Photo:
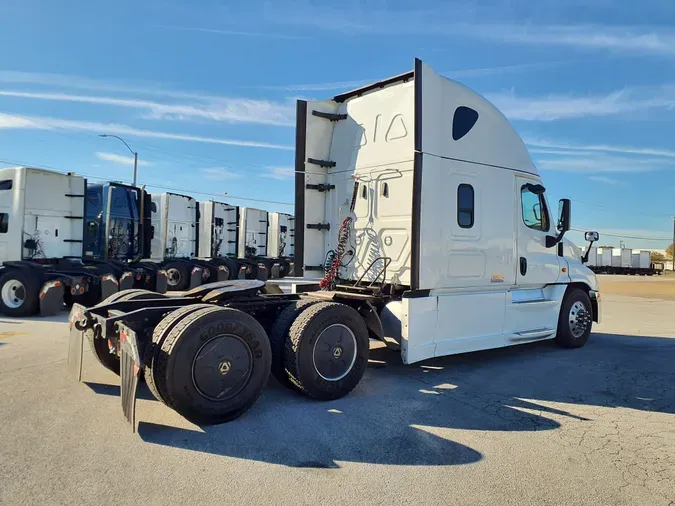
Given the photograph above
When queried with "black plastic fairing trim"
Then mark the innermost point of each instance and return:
(300, 152)
(416, 294)
(418, 104)
(417, 182)
(380, 84)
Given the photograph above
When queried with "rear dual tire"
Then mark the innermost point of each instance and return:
(325, 350)
(210, 364)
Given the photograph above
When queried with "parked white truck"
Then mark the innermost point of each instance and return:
(42, 226)
(424, 205)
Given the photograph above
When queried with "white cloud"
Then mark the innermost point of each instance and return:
(606, 180)
(572, 148)
(621, 39)
(121, 159)
(219, 31)
(281, 173)
(219, 173)
(233, 110)
(604, 164)
(557, 107)
(9, 121)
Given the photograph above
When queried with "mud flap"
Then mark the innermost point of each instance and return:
(161, 282)
(109, 286)
(130, 371)
(195, 277)
(276, 271)
(242, 272)
(51, 298)
(75, 342)
(263, 273)
(223, 273)
(126, 281)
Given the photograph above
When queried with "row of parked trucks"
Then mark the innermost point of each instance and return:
(623, 261)
(65, 240)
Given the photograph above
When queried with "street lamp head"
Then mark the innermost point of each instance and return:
(102, 135)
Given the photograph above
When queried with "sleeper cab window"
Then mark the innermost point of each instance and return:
(465, 205)
(6, 184)
(463, 121)
(535, 214)
(4, 223)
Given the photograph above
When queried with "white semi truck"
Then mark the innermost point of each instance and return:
(44, 227)
(419, 206)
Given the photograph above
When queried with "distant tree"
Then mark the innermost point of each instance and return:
(657, 256)
(669, 251)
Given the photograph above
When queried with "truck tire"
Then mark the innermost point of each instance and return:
(575, 320)
(100, 346)
(152, 350)
(327, 350)
(19, 293)
(279, 335)
(232, 267)
(178, 276)
(214, 365)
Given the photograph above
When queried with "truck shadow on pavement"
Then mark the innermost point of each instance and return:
(410, 415)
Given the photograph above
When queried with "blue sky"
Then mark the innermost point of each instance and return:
(206, 92)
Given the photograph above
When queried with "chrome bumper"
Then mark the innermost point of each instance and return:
(596, 302)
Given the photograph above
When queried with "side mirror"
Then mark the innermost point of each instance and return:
(564, 215)
(592, 236)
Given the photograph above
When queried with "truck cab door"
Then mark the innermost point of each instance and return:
(536, 265)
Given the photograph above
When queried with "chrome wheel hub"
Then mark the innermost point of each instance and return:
(579, 319)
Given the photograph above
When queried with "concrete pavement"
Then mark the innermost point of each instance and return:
(533, 424)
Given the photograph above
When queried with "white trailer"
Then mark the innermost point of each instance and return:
(592, 257)
(641, 259)
(605, 257)
(427, 206)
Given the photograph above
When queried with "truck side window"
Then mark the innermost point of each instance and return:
(535, 214)
(465, 205)
(6, 184)
(4, 223)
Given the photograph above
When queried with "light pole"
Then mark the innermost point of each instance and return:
(131, 150)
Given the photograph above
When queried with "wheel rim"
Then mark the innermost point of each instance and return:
(579, 319)
(13, 294)
(222, 367)
(173, 276)
(334, 352)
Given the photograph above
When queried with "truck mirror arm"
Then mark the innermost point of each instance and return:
(584, 258)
